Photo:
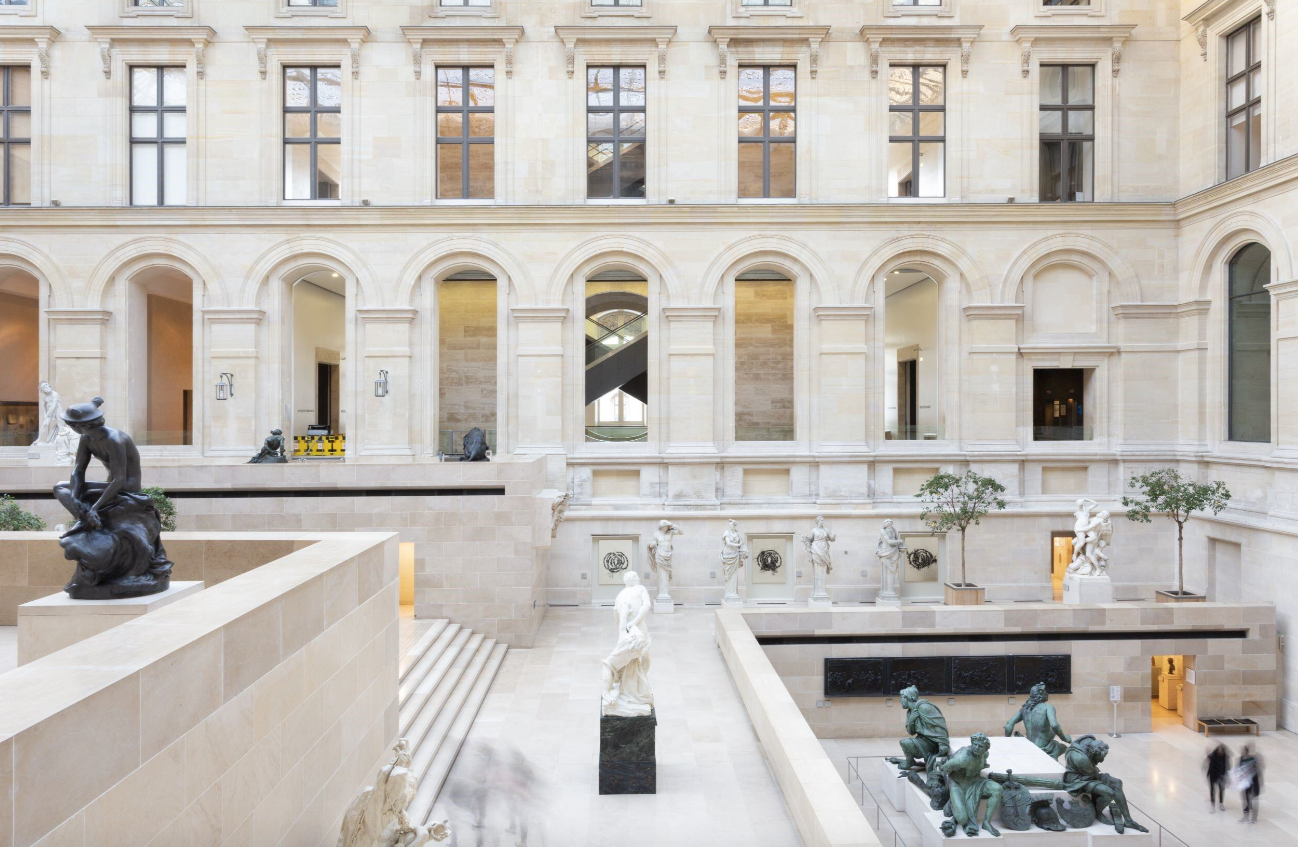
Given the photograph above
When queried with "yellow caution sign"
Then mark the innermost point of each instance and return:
(319, 446)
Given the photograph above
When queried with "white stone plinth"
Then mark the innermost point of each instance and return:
(663, 606)
(818, 601)
(887, 600)
(57, 621)
(732, 602)
(1088, 589)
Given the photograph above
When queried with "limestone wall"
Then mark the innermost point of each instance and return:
(466, 355)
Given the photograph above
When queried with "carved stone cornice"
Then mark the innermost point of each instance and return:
(724, 36)
(914, 35)
(107, 36)
(503, 38)
(233, 315)
(79, 316)
(843, 311)
(1112, 35)
(40, 38)
(691, 313)
(993, 311)
(387, 314)
(539, 314)
(270, 36)
(571, 36)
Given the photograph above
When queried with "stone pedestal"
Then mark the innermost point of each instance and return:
(889, 599)
(663, 606)
(628, 755)
(817, 601)
(732, 602)
(1088, 589)
(45, 455)
(57, 621)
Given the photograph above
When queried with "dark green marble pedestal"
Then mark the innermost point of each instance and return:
(627, 755)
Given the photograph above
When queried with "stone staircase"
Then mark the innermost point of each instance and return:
(445, 677)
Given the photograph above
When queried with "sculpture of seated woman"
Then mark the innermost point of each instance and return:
(272, 451)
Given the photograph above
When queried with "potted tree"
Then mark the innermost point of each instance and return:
(1165, 491)
(956, 502)
(14, 519)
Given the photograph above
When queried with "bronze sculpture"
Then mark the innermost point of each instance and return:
(927, 728)
(1083, 778)
(475, 446)
(272, 450)
(1040, 723)
(969, 788)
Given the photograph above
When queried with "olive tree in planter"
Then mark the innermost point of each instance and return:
(1165, 491)
(14, 519)
(957, 502)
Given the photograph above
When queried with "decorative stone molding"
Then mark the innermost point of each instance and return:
(109, 36)
(994, 311)
(691, 313)
(129, 9)
(36, 40)
(275, 36)
(843, 312)
(728, 36)
(491, 40)
(387, 314)
(1114, 36)
(920, 35)
(234, 315)
(603, 35)
(1202, 36)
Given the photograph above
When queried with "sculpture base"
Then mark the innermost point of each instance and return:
(887, 600)
(663, 606)
(732, 602)
(1088, 589)
(144, 585)
(817, 601)
(628, 755)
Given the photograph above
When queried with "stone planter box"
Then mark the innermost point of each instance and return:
(1173, 597)
(964, 594)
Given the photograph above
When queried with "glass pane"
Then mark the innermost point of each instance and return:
(1237, 93)
(1255, 137)
(901, 86)
(901, 181)
(1051, 122)
(329, 167)
(297, 125)
(450, 124)
(482, 125)
(297, 87)
(1051, 85)
(144, 87)
(599, 124)
(631, 87)
(174, 177)
(20, 87)
(1081, 123)
(932, 170)
(751, 171)
(1250, 345)
(173, 86)
(782, 124)
(329, 87)
(144, 125)
(449, 91)
(631, 124)
(297, 172)
(1081, 86)
(901, 123)
(1051, 170)
(1081, 158)
(932, 85)
(932, 124)
(20, 125)
(599, 170)
(1255, 84)
(599, 86)
(783, 169)
(20, 174)
(750, 124)
(1250, 271)
(1237, 52)
(783, 83)
(632, 409)
(144, 174)
(173, 124)
(482, 87)
(482, 171)
(631, 167)
(1254, 32)
(606, 410)
(450, 169)
(328, 125)
(1236, 145)
(750, 86)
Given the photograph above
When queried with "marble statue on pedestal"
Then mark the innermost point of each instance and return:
(890, 550)
(817, 544)
(1083, 779)
(929, 738)
(54, 431)
(558, 511)
(1040, 723)
(272, 451)
(969, 788)
(624, 675)
(377, 817)
(116, 539)
(733, 554)
(1094, 533)
(660, 562)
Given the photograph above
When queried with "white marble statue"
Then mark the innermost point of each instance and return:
(625, 673)
(1093, 534)
(890, 550)
(54, 431)
(733, 554)
(817, 544)
(660, 558)
(558, 511)
(377, 817)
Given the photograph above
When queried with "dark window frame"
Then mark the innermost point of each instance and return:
(915, 108)
(1252, 98)
(464, 139)
(766, 109)
(314, 140)
(616, 109)
(1064, 137)
(1231, 297)
(6, 97)
(160, 139)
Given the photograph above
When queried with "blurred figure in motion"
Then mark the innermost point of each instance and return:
(518, 791)
(498, 791)
(467, 788)
(1217, 765)
(1247, 779)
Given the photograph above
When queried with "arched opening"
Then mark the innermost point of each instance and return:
(160, 357)
(20, 354)
(617, 356)
(910, 360)
(318, 308)
(764, 356)
(1249, 340)
(466, 358)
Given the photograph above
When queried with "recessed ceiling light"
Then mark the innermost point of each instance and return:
(335, 276)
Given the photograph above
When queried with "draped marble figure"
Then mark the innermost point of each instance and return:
(660, 556)
(890, 550)
(733, 554)
(625, 673)
(817, 544)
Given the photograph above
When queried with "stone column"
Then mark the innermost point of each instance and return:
(1284, 367)
(79, 341)
(840, 376)
(383, 425)
(691, 379)
(537, 414)
(989, 397)
(232, 425)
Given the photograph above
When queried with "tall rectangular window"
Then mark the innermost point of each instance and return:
(767, 132)
(15, 136)
(917, 131)
(466, 133)
(1243, 100)
(1067, 129)
(158, 132)
(313, 100)
(615, 132)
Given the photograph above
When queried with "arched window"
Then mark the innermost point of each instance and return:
(617, 356)
(466, 358)
(1249, 376)
(20, 352)
(910, 368)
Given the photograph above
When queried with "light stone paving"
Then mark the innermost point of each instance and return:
(530, 762)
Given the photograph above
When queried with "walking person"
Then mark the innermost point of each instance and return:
(1218, 765)
(1247, 778)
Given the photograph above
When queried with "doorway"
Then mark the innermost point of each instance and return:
(1061, 556)
(1169, 700)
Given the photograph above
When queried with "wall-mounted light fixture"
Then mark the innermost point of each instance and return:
(381, 384)
(225, 386)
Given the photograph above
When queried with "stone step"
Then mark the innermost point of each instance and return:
(432, 780)
(416, 722)
(435, 660)
(420, 647)
(439, 733)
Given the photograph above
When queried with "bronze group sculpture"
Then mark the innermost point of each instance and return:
(1083, 778)
(927, 728)
(969, 788)
(475, 446)
(272, 451)
(116, 539)
(1040, 723)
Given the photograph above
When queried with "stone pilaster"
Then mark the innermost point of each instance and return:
(78, 357)
(990, 398)
(839, 376)
(691, 378)
(538, 412)
(232, 425)
(386, 345)
(1284, 367)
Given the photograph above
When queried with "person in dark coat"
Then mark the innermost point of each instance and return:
(1218, 764)
(1250, 782)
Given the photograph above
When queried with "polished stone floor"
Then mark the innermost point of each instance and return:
(528, 769)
